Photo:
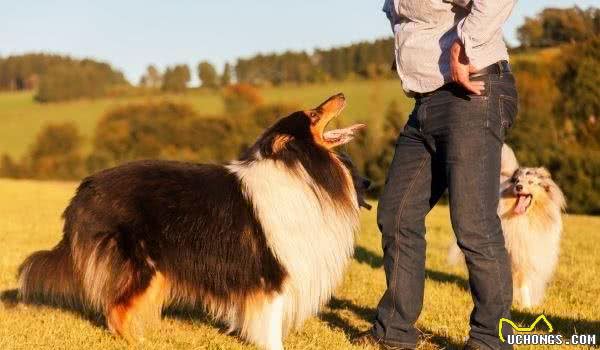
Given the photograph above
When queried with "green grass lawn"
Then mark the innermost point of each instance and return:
(21, 117)
(30, 220)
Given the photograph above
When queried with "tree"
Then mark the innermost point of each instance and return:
(57, 153)
(208, 75)
(77, 79)
(240, 98)
(9, 167)
(138, 131)
(152, 78)
(24, 72)
(531, 33)
(226, 77)
(176, 78)
(373, 149)
(579, 79)
(161, 130)
(554, 26)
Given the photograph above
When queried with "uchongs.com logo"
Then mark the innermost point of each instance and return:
(528, 335)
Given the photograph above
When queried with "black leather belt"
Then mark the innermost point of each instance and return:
(496, 68)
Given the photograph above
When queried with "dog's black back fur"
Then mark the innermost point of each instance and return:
(173, 213)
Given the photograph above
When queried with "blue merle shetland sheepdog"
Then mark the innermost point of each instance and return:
(260, 243)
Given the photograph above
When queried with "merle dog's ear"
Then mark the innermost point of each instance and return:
(543, 173)
(509, 163)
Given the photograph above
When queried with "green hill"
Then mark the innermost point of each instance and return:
(21, 117)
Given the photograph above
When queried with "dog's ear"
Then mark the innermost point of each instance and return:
(280, 142)
(554, 192)
(509, 163)
(543, 173)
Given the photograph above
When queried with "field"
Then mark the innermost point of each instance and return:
(22, 117)
(30, 220)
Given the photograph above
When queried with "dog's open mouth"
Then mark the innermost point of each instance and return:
(328, 111)
(523, 203)
(338, 137)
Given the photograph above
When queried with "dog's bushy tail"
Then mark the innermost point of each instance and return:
(48, 276)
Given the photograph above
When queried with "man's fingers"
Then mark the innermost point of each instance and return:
(462, 78)
(475, 87)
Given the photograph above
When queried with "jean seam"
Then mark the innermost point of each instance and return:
(397, 226)
(482, 181)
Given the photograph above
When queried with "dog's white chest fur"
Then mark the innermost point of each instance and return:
(311, 237)
(533, 245)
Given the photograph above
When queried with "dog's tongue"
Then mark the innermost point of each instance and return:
(522, 204)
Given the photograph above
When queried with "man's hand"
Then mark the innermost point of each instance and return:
(460, 69)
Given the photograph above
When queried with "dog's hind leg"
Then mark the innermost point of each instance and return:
(127, 317)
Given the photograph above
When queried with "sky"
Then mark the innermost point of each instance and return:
(130, 34)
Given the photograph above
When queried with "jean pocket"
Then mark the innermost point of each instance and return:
(508, 110)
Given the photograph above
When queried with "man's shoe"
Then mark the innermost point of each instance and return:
(368, 339)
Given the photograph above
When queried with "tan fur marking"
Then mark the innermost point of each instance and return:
(280, 142)
(145, 306)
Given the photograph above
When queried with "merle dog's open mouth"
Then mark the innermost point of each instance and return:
(523, 203)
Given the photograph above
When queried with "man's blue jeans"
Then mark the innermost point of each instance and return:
(452, 141)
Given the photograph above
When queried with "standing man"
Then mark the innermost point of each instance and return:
(451, 57)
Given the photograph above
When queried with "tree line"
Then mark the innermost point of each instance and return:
(366, 60)
(58, 78)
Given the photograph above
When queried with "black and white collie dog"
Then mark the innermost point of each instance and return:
(260, 243)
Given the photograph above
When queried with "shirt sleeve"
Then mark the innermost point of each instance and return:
(482, 25)
(390, 12)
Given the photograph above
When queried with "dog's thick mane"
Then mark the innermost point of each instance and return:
(287, 143)
(309, 222)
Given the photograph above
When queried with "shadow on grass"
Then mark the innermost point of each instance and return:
(564, 325)
(334, 320)
(374, 260)
(10, 299)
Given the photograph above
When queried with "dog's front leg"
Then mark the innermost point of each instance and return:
(525, 295)
(275, 324)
